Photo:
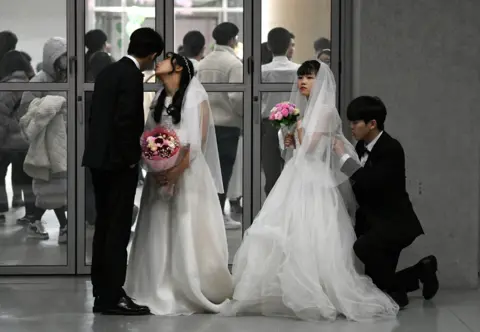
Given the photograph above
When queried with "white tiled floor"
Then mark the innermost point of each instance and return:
(17, 249)
(64, 304)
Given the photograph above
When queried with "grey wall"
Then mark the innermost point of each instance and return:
(422, 58)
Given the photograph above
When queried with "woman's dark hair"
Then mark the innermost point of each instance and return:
(14, 61)
(366, 109)
(266, 55)
(175, 108)
(309, 67)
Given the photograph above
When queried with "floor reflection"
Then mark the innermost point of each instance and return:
(23, 308)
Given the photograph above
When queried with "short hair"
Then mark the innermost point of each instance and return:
(95, 40)
(14, 61)
(144, 42)
(193, 43)
(279, 41)
(321, 44)
(309, 67)
(367, 108)
(224, 33)
(292, 36)
(26, 56)
(8, 42)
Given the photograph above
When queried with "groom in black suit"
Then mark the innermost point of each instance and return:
(385, 220)
(112, 153)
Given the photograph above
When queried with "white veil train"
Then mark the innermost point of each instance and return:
(297, 258)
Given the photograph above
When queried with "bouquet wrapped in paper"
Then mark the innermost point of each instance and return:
(161, 150)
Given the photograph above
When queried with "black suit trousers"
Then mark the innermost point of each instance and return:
(379, 249)
(114, 199)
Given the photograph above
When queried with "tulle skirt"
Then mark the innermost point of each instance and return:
(297, 258)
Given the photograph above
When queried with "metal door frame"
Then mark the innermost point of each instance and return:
(69, 88)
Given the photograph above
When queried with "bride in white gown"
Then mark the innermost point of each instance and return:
(297, 258)
(178, 263)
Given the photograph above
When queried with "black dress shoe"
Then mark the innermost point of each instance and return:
(428, 276)
(400, 298)
(97, 306)
(125, 306)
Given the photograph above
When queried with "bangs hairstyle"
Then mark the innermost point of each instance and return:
(186, 75)
(310, 67)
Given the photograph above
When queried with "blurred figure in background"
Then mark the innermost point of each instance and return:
(8, 42)
(194, 47)
(47, 139)
(96, 57)
(291, 48)
(223, 66)
(280, 70)
(322, 47)
(14, 68)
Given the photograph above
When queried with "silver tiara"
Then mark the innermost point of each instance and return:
(188, 67)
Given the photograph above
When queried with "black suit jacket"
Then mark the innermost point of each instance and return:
(116, 119)
(380, 189)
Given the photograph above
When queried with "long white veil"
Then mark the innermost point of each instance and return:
(320, 126)
(198, 119)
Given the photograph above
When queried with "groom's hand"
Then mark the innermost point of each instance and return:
(339, 147)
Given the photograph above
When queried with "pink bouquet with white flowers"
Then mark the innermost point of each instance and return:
(284, 115)
(161, 150)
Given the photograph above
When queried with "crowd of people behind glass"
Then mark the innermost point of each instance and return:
(33, 132)
(33, 126)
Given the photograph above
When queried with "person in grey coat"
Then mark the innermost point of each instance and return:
(14, 68)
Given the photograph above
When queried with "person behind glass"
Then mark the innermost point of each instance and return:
(320, 45)
(223, 66)
(112, 154)
(194, 47)
(291, 48)
(96, 58)
(14, 68)
(280, 70)
(266, 55)
(8, 42)
(385, 220)
(46, 159)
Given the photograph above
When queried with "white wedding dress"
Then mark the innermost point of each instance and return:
(297, 259)
(178, 263)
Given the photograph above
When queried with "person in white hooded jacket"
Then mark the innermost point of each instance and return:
(50, 190)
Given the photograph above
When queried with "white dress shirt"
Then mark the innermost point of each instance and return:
(134, 60)
(364, 158)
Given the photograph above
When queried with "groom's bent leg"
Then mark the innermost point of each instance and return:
(380, 258)
(121, 196)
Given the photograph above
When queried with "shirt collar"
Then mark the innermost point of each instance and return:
(370, 145)
(280, 58)
(134, 61)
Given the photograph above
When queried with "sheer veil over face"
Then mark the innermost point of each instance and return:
(321, 125)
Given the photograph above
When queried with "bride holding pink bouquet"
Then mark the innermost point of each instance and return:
(178, 263)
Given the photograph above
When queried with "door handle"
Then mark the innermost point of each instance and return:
(80, 110)
(257, 116)
(72, 65)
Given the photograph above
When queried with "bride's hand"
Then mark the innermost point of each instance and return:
(289, 141)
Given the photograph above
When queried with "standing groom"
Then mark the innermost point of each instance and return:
(385, 220)
(112, 154)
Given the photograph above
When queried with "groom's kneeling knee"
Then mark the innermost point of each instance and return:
(362, 248)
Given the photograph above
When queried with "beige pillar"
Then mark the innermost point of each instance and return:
(308, 20)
